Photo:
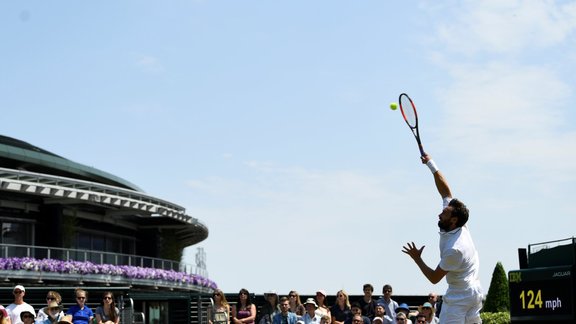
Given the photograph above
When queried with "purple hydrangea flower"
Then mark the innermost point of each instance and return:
(89, 268)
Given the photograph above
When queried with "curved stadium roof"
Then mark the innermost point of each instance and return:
(29, 169)
(17, 154)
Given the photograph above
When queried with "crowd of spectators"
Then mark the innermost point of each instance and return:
(20, 312)
(277, 309)
(290, 310)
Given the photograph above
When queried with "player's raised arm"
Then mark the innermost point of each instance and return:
(439, 180)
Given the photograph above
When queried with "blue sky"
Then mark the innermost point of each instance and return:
(269, 122)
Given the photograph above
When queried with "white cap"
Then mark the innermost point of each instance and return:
(19, 287)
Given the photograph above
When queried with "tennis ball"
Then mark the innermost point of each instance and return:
(393, 106)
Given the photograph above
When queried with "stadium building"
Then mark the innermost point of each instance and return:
(66, 225)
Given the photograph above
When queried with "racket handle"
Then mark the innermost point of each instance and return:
(422, 153)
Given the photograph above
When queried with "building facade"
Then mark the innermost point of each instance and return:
(67, 225)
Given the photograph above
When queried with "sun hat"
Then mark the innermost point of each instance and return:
(24, 312)
(311, 301)
(54, 304)
(425, 305)
(66, 320)
(403, 306)
(377, 319)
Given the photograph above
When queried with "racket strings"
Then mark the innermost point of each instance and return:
(408, 111)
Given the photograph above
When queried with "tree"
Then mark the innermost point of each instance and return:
(498, 299)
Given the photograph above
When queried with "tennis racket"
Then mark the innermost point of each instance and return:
(410, 115)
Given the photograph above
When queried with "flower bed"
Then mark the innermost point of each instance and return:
(89, 268)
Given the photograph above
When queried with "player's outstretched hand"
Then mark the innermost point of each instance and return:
(413, 251)
(425, 158)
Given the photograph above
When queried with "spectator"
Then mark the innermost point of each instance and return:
(367, 303)
(428, 311)
(81, 313)
(404, 308)
(244, 312)
(311, 317)
(285, 316)
(377, 320)
(341, 310)
(4, 317)
(325, 319)
(53, 313)
(220, 312)
(355, 309)
(380, 311)
(269, 309)
(67, 319)
(51, 296)
(19, 305)
(27, 317)
(356, 319)
(107, 312)
(420, 319)
(389, 304)
(401, 318)
(323, 309)
(436, 302)
(296, 304)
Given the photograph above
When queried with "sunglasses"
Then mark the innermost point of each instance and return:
(50, 298)
(18, 292)
(107, 298)
(421, 321)
(81, 298)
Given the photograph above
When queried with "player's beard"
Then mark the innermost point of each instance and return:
(444, 226)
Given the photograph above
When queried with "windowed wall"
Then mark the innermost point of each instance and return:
(94, 241)
(17, 233)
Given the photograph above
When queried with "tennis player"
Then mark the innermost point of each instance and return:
(459, 261)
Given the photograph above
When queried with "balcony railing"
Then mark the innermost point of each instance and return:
(97, 257)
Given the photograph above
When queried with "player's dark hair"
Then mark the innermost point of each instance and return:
(368, 286)
(460, 211)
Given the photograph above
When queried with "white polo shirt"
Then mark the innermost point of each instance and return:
(459, 257)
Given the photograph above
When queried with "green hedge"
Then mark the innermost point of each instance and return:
(495, 318)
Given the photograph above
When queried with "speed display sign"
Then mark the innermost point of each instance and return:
(542, 294)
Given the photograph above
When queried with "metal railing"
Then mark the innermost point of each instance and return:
(96, 257)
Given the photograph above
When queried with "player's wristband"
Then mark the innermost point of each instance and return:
(432, 166)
